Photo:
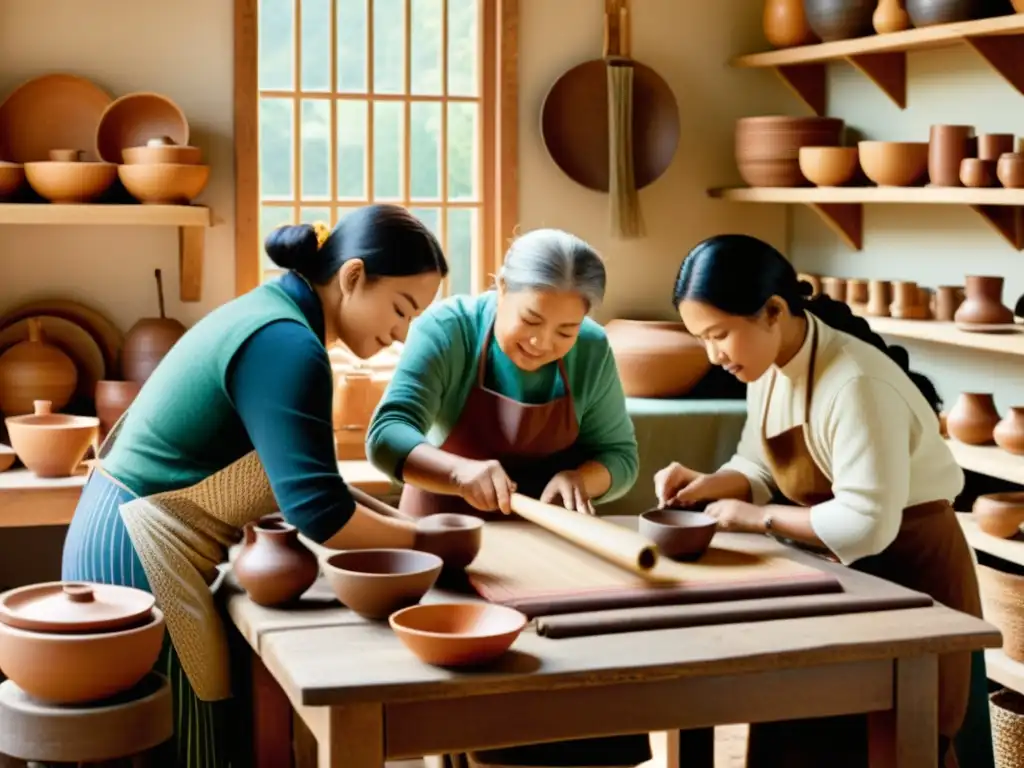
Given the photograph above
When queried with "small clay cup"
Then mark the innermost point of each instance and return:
(680, 534)
(857, 294)
(978, 173)
(947, 301)
(878, 298)
(375, 583)
(458, 634)
(947, 148)
(1000, 514)
(1010, 170)
(973, 418)
(992, 146)
(1009, 433)
(906, 301)
(456, 539)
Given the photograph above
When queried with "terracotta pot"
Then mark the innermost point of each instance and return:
(149, 340)
(906, 301)
(840, 19)
(375, 583)
(889, 16)
(112, 400)
(274, 567)
(992, 146)
(1009, 433)
(1010, 170)
(785, 24)
(947, 301)
(894, 163)
(767, 148)
(35, 370)
(978, 173)
(456, 539)
(834, 288)
(88, 643)
(52, 444)
(925, 13)
(947, 148)
(829, 166)
(680, 534)
(973, 418)
(857, 295)
(655, 358)
(983, 304)
(458, 634)
(879, 292)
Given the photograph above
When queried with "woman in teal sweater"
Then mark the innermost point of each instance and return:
(514, 390)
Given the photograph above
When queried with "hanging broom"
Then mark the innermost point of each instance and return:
(626, 219)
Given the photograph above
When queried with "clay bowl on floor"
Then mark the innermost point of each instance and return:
(458, 634)
(894, 163)
(456, 539)
(1000, 514)
(375, 583)
(51, 444)
(829, 166)
(164, 183)
(12, 177)
(680, 534)
(7, 457)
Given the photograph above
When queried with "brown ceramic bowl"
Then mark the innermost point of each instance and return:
(12, 176)
(458, 634)
(134, 119)
(1000, 514)
(164, 183)
(456, 539)
(51, 444)
(80, 668)
(70, 181)
(829, 166)
(7, 457)
(377, 582)
(681, 534)
(978, 173)
(161, 150)
(1010, 170)
(894, 163)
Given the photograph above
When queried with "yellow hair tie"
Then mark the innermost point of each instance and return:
(322, 233)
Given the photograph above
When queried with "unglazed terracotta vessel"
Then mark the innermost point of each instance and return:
(375, 583)
(906, 301)
(879, 292)
(948, 145)
(894, 163)
(274, 567)
(680, 534)
(1000, 514)
(973, 418)
(947, 301)
(983, 304)
(149, 340)
(458, 634)
(35, 370)
(112, 400)
(857, 295)
(1010, 170)
(52, 444)
(76, 643)
(655, 358)
(890, 16)
(992, 146)
(67, 179)
(978, 173)
(1009, 433)
(456, 539)
(785, 24)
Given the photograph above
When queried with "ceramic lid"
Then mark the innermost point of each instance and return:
(66, 606)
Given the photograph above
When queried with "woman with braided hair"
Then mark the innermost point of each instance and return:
(841, 430)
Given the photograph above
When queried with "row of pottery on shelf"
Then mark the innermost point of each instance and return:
(359, 386)
(789, 23)
(71, 141)
(275, 569)
(974, 420)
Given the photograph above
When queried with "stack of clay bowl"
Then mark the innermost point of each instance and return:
(146, 135)
(68, 178)
(768, 148)
(78, 643)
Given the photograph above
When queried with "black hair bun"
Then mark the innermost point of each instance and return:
(805, 288)
(293, 246)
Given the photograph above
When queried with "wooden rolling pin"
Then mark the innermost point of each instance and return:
(627, 549)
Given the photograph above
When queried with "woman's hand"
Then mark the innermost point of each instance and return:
(569, 488)
(678, 486)
(484, 485)
(737, 516)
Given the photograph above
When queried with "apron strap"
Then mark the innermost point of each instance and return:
(481, 363)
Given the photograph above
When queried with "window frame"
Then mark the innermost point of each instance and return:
(500, 149)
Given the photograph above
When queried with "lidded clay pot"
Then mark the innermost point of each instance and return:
(973, 418)
(274, 567)
(52, 444)
(77, 642)
(456, 539)
(35, 370)
(112, 400)
(655, 358)
(1009, 433)
(1000, 514)
(785, 24)
(149, 340)
(983, 304)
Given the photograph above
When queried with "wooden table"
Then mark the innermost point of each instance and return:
(366, 699)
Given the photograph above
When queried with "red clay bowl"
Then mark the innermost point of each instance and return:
(458, 634)
(377, 582)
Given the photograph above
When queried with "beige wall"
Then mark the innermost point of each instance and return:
(934, 245)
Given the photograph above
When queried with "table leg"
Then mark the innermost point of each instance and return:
(354, 737)
(694, 749)
(271, 720)
(907, 736)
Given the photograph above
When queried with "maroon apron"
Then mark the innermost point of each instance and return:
(929, 554)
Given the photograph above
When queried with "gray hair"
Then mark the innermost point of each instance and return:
(553, 260)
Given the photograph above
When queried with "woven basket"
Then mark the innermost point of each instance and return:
(1002, 601)
(1007, 710)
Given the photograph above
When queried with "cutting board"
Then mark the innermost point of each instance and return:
(539, 573)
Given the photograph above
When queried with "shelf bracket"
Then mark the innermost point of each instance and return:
(845, 219)
(191, 247)
(1005, 54)
(887, 70)
(1007, 220)
(807, 81)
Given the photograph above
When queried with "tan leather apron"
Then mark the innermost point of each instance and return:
(181, 537)
(929, 554)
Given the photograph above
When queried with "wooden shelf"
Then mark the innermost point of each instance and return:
(1011, 550)
(842, 208)
(936, 332)
(883, 58)
(988, 460)
(1004, 670)
(191, 221)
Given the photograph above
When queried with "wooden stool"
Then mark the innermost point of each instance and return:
(125, 726)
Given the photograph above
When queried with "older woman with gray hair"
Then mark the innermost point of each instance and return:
(514, 390)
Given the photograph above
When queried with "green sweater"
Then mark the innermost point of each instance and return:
(438, 368)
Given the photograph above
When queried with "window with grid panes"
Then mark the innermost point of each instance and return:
(364, 101)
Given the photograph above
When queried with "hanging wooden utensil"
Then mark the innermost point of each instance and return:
(626, 220)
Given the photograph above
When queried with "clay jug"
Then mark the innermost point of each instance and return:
(1000, 514)
(655, 358)
(973, 418)
(983, 304)
(149, 340)
(274, 567)
(889, 16)
(35, 370)
(785, 24)
(1009, 433)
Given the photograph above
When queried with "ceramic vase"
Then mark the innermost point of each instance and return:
(973, 418)
(1009, 433)
(983, 304)
(274, 567)
(889, 16)
(785, 24)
